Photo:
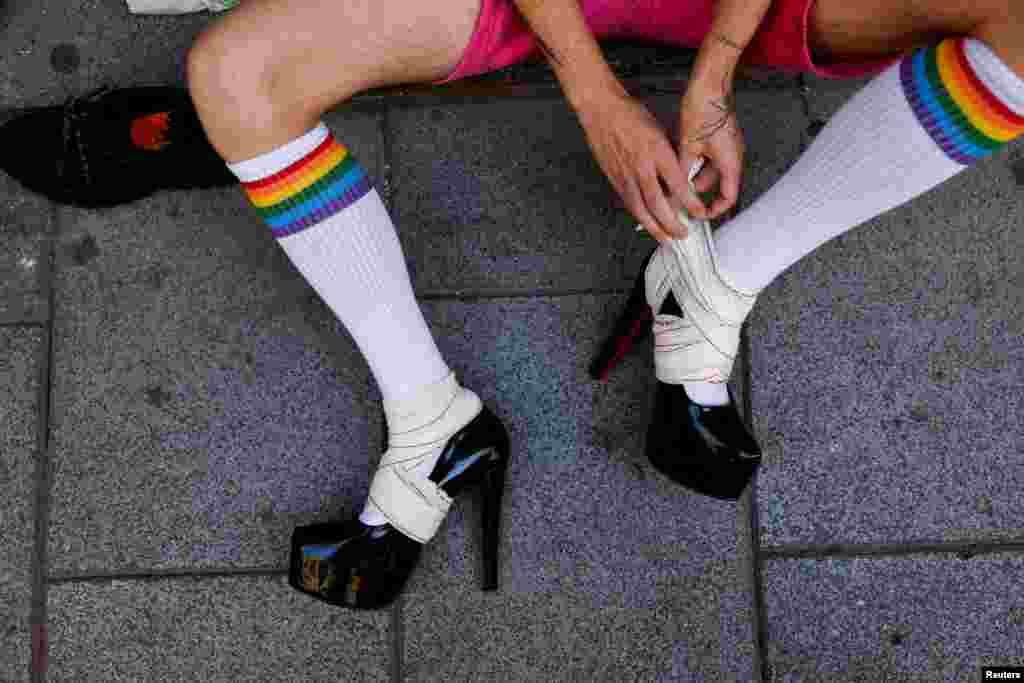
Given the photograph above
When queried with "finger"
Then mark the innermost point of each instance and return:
(729, 190)
(692, 202)
(657, 203)
(706, 179)
(672, 172)
(635, 202)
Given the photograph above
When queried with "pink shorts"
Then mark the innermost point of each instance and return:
(502, 37)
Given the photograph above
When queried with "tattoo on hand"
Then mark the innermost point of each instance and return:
(727, 107)
(551, 54)
(723, 39)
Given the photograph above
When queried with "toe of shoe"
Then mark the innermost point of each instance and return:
(33, 150)
(706, 450)
(348, 568)
(709, 473)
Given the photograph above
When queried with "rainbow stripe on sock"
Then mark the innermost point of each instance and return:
(959, 112)
(317, 186)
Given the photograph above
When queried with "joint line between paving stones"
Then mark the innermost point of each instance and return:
(38, 614)
(397, 640)
(804, 92)
(964, 549)
(156, 574)
(762, 668)
(385, 153)
(757, 587)
(488, 92)
(662, 81)
(520, 294)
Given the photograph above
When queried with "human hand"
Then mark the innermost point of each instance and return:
(708, 128)
(636, 155)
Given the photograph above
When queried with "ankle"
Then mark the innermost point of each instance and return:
(707, 393)
(731, 278)
(412, 410)
(737, 285)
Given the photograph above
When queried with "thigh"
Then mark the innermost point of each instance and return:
(323, 52)
(866, 29)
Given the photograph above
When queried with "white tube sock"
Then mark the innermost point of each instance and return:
(335, 229)
(875, 154)
(915, 125)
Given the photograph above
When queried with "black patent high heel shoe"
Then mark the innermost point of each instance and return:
(706, 449)
(351, 564)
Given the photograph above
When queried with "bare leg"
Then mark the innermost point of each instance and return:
(851, 30)
(264, 73)
(261, 78)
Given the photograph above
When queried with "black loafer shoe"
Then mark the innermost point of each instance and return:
(112, 146)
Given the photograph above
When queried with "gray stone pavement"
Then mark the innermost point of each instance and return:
(180, 399)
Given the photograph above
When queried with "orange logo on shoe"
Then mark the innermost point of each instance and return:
(149, 132)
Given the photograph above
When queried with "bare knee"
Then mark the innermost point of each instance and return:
(223, 74)
(232, 85)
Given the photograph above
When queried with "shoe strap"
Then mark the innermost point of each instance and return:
(413, 504)
(702, 344)
(422, 427)
(682, 352)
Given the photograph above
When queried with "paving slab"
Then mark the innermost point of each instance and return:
(506, 195)
(900, 620)
(205, 398)
(26, 221)
(55, 49)
(19, 375)
(886, 374)
(245, 628)
(608, 570)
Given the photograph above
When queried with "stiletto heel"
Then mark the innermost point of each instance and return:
(632, 327)
(354, 565)
(491, 490)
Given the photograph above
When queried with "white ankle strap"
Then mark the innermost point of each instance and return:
(414, 506)
(411, 503)
(702, 344)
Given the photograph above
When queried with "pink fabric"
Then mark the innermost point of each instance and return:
(502, 37)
